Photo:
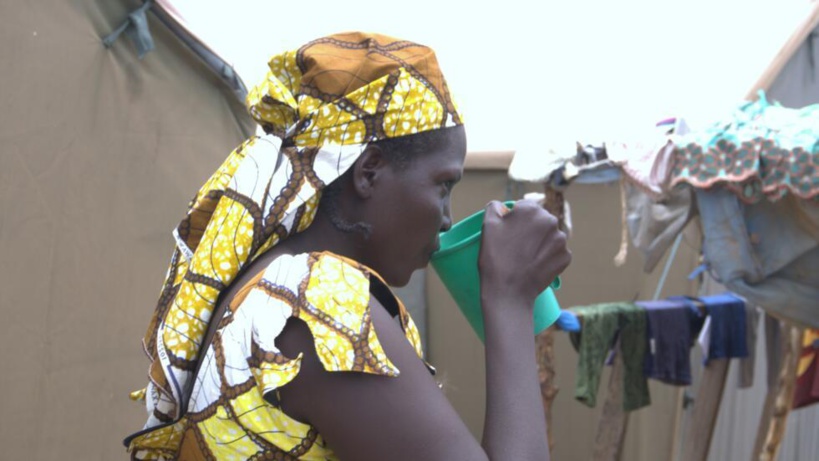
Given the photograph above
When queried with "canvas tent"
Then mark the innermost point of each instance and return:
(99, 153)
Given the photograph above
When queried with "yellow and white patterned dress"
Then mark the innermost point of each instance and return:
(320, 106)
(228, 417)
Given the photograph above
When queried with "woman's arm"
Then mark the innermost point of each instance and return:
(515, 425)
(522, 251)
(376, 418)
(368, 418)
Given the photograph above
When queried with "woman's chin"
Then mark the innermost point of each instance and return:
(400, 278)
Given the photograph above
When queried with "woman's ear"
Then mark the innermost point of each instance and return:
(367, 170)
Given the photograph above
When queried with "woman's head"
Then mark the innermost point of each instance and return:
(362, 108)
(396, 197)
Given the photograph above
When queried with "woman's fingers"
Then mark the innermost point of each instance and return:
(522, 247)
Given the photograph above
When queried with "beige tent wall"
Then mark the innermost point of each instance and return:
(99, 154)
(592, 278)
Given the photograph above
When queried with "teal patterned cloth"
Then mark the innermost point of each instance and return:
(763, 151)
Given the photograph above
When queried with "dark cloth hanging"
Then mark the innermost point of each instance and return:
(728, 324)
(602, 325)
(671, 329)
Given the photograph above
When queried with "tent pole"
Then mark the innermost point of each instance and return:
(779, 400)
(785, 53)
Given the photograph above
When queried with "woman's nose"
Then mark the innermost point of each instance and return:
(446, 223)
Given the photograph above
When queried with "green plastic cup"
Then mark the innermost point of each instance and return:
(457, 265)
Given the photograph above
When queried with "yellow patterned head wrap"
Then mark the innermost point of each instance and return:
(319, 105)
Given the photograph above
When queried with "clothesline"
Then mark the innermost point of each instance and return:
(655, 340)
(568, 321)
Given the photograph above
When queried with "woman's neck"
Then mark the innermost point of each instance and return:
(320, 236)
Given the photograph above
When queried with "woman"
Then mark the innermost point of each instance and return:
(290, 248)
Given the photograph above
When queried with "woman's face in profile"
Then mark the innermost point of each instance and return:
(411, 206)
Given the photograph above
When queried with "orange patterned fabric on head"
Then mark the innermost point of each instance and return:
(319, 105)
(351, 89)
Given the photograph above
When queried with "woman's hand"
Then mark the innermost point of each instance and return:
(522, 251)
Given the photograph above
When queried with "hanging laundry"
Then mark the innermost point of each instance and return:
(654, 213)
(807, 371)
(602, 325)
(653, 226)
(767, 253)
(762, 151)
(567, 321)
(672, 328)
(647, 163)
(723, 336)
(747, 365)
